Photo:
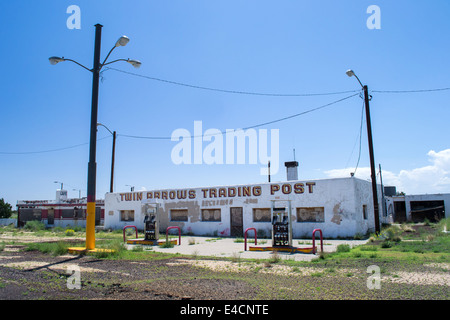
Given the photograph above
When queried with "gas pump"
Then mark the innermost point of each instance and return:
(281, 224)
(151, 222)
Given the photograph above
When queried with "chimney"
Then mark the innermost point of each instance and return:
(291, 170)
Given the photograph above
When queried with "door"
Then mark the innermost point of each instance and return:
(236, 222)
(98, 211)
(51, 216)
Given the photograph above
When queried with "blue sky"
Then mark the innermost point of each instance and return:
(278, 47)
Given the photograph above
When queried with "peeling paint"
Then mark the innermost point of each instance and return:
(337, 211)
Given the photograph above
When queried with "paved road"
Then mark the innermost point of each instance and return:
(227, 247)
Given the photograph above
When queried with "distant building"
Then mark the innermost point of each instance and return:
(418, 207)
(59, 212)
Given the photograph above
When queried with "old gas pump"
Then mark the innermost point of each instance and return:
(151, 222)
(281, 223)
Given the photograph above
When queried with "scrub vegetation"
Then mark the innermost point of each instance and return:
(413, 262)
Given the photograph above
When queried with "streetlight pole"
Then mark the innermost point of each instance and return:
(59, 182)
(92, 165)
(350, 73)
(112, 157)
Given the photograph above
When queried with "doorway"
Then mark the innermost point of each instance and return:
(236, 222)
(51, 216)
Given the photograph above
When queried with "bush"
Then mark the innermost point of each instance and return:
(386, 244)
(69, 232)
(343, 248)
(34, 225)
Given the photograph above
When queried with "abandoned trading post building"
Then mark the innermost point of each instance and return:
(341, 207)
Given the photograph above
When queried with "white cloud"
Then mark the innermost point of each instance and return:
(434, 178)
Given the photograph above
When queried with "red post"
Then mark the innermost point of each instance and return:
(179, 234)
(135, 228)
(245, 237)
(314, 240)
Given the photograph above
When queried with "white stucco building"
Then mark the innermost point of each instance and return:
(339, 207)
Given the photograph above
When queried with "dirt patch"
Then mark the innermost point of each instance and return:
(32, 275)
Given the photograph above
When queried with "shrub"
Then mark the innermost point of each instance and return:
(386, 244)
(69, 232)
(343, 248)
(34, 225)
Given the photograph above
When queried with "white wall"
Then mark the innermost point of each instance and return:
(342, 200)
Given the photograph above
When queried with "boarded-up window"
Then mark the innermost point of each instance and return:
(78, 213)
(365, 212)
(30, 214)
(211, 215)
(261, 215)
(179, 215)
(311, 214)
(126, 215)
(67, 213)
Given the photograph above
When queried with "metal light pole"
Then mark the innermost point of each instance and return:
(92, 165)
(112, 157)
(350, 73)
(59, 182)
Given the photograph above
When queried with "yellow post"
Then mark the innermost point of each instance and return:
(90, 226)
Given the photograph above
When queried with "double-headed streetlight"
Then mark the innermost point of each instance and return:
(351, 73)
(92, 166)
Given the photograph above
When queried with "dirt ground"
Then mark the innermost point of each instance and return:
(31, 275)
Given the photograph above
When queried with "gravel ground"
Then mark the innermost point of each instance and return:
(30, 275)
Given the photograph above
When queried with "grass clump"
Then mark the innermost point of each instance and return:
(53, 248)
(343, 248)
(34, 226)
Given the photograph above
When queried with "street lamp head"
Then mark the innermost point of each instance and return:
(134, 63)
(123, 40)
(55, 60)
(350, 73)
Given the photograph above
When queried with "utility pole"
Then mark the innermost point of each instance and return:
(112, 162)
(372, 161)
(351, 73)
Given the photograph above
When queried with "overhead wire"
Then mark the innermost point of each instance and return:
(246, 128)
(236, 92)
(50, 150)
(411, 91)
(232, 91)
(360, 137)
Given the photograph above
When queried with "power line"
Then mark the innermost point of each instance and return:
(50, 150)
(360, 138)
(246, 128)
(410, 91)
(232, 91)
(268, 93)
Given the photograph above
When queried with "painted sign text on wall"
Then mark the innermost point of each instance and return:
(222, 192)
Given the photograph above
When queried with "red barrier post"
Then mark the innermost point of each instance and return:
(124, 228)
(245, 237)
(179, 234)
(314, 240)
